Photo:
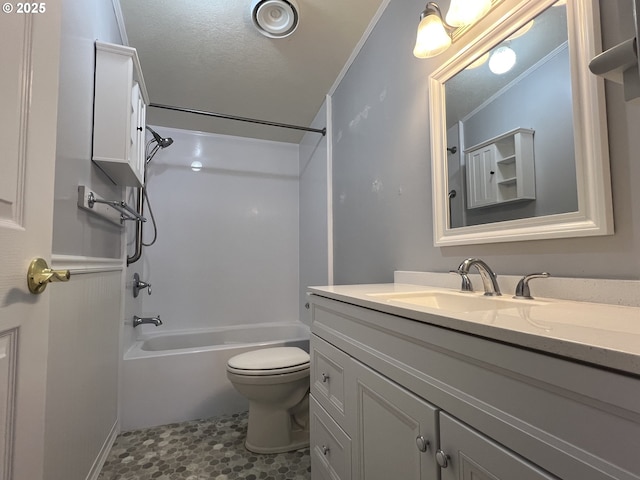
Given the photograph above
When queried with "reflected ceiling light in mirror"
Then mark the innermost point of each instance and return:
(465, 12)
(521, 31)
(196, 166)
(432, 38)
(480, 61)
(502, 60)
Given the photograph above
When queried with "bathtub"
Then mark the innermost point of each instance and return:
(181, 375)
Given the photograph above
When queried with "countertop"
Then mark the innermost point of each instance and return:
(600, 334)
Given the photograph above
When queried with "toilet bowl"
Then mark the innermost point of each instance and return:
(276, 383)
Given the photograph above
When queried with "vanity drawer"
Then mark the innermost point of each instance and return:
(330, 446)
(329, 374)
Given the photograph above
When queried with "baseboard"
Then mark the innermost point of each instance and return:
(104, 452)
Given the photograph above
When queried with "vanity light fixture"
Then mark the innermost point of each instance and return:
(502, 60)
(466, 12)
(434, 32)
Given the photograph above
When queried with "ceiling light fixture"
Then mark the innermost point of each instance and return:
(275, 18)
(502, 60)
(434, 33)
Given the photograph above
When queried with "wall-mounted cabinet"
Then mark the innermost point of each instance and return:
(120, 100)
(501, 170)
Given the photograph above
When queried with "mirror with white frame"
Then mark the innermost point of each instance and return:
(520, 152)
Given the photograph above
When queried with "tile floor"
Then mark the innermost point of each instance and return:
(198, 450)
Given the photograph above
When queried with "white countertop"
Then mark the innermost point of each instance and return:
(600, 334)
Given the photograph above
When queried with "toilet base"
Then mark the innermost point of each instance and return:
(273, 430)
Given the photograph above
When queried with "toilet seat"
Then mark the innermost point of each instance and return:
(269, 361)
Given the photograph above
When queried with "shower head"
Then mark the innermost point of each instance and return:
(162, 142)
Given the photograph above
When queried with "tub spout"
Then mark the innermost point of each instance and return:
(142, 320)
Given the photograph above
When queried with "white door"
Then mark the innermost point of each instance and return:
(28, 110)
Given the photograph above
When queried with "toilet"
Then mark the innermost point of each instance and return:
(276, 382)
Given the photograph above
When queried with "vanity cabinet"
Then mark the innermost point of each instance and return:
(501, 170)
(392, 397)
(119, 118)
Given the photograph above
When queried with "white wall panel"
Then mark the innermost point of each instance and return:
(82, 381)
(227, 248)
(314, 215)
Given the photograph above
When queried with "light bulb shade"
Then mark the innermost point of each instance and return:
(502, 60)
(432, 38)
(275, 18)
(466, 12)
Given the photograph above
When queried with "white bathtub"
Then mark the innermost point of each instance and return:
(181, 376)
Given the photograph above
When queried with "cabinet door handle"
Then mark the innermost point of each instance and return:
(325, 377)
(325, 450)
(139, 129)
(422, 443)
(442, 459)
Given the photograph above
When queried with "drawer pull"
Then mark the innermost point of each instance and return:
(325, 377)
(325, 450)
(442, 459)
(422, 443)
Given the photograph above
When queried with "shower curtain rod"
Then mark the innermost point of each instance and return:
(322, 131)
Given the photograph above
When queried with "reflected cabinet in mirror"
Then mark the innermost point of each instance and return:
(518, 130)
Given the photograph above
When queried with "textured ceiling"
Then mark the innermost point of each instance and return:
(207, 55)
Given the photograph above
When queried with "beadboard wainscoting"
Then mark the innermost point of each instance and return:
(84, 362)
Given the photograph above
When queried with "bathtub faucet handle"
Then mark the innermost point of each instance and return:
(140, 285)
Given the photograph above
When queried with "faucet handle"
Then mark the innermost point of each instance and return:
(522, 289)
(466, 281)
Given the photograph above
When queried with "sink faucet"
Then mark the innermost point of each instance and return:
(489, 279)
(142, 320)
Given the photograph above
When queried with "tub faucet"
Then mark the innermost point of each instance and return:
(489, 279)
(142, 320)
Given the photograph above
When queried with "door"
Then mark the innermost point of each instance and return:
(467, 455)
(28, 96)
(481, 185)
(396, 432)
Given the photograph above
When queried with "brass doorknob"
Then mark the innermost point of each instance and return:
(39, 275)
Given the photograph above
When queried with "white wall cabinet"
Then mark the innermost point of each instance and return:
(120, 100)
(501, 170)
(397, 398)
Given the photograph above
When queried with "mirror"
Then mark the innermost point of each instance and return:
(518, 132)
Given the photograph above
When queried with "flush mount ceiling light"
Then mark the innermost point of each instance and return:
(275, 18)
(502, 60)
(434, 33)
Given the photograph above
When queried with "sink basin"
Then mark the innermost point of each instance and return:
(456, 302)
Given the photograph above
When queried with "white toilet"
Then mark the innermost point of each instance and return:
(276, 382)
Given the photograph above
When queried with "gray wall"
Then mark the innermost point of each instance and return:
(82, 372)
(541, 101)
(75, 231)
(381, 169)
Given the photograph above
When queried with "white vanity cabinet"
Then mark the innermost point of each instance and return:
(120, 100)
(399, 398)
(501, 170)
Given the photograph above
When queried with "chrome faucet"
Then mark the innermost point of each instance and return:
(142, 320)
(489, 279)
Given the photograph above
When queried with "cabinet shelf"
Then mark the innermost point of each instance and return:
(508, 181)
(507, 160)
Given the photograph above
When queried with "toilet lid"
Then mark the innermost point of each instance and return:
(270, 359)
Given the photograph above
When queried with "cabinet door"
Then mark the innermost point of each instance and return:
(137, 143)
(396, 431)
(467, 455)
(481, 184)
